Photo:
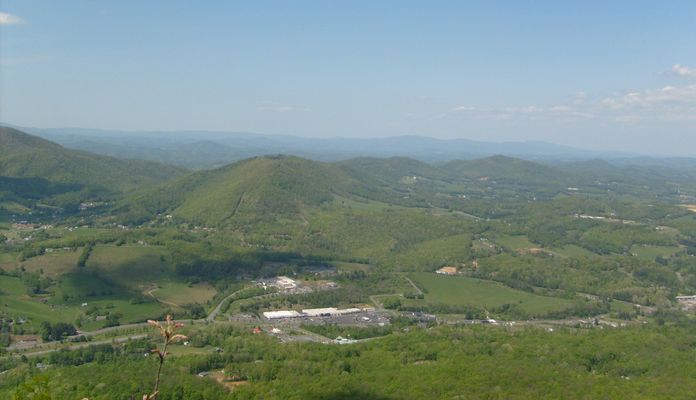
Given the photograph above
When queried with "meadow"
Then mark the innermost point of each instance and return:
(651, 252)
(466, 291)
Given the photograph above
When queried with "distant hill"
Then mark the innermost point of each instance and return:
(509, 170)
(35, 172)
(390, 170)
(26, 156)
(256, 188)
(272, 187)
(211, 149)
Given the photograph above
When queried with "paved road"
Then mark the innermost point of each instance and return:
(80, 345)
(213, 314)
(418, 291)
(18, 347)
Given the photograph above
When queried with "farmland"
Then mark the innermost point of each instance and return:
(465, 291)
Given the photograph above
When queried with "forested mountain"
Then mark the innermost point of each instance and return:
(390, 170)
(26, 156)
(182, 147)
(36, 170)
(506, 170)
(261, 187)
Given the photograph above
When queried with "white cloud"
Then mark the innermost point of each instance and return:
(10, 19)
(669, 103)
(280, 108)
(683, 70)
(464, 109)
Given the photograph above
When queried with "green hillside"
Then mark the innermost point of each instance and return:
(256, 188)
(392, 170)
(26, 156)
(509, 170)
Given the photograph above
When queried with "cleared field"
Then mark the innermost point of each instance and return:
(65, 304)
(515, 242)
(650, 252)
(435, 253)
(572, 250)
(618, 305)
(180, 293)
(350, 267)
(135, 267)
(363, 204)
(461, 290)
(130, 313)
(53, 264)
(8, 261)
(16, 303)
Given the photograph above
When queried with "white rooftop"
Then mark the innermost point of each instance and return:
(280, 314)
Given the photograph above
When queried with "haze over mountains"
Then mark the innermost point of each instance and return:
(35, 169)
(206, 149)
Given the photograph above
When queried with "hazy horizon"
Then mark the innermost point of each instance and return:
(610, 77)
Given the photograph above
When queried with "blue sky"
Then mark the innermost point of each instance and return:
(592, 74)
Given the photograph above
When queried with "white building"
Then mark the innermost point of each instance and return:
(320, 312)
(281, 314)
(349, 311)
(283, 282)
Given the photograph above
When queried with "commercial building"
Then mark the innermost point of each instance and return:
(281, 314)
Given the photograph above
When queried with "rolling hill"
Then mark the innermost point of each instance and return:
(256, 188)
(35, 172)
(390, 170)
(508, 170)
(26, 156)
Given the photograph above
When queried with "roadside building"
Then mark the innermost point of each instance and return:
(281, 314)
(320, 312)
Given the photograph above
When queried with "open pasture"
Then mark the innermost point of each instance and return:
(463, 291)
(651, 252)
(180, 293)
(53, 264)
(515, 242)
(135, 267)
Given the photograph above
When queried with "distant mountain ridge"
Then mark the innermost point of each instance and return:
(35, 171)
(26, 156)
(210, 149)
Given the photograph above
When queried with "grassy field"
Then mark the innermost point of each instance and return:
(460, 290)
(436, 253)
(650, 252)
(53, 264)
(350, 267)
(515, 242)
(572, 250)
(135, 267)
(8, 261)
(7, 257)
(129, 312)
(17, 304)
(180, 293)
(114, 280)
(618, 305)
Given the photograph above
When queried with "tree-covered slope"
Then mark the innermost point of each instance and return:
(26, 156)
(256, 188)
(390, 170)
(507, 170)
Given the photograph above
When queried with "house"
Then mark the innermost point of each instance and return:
(448, 270)
(285, 283)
